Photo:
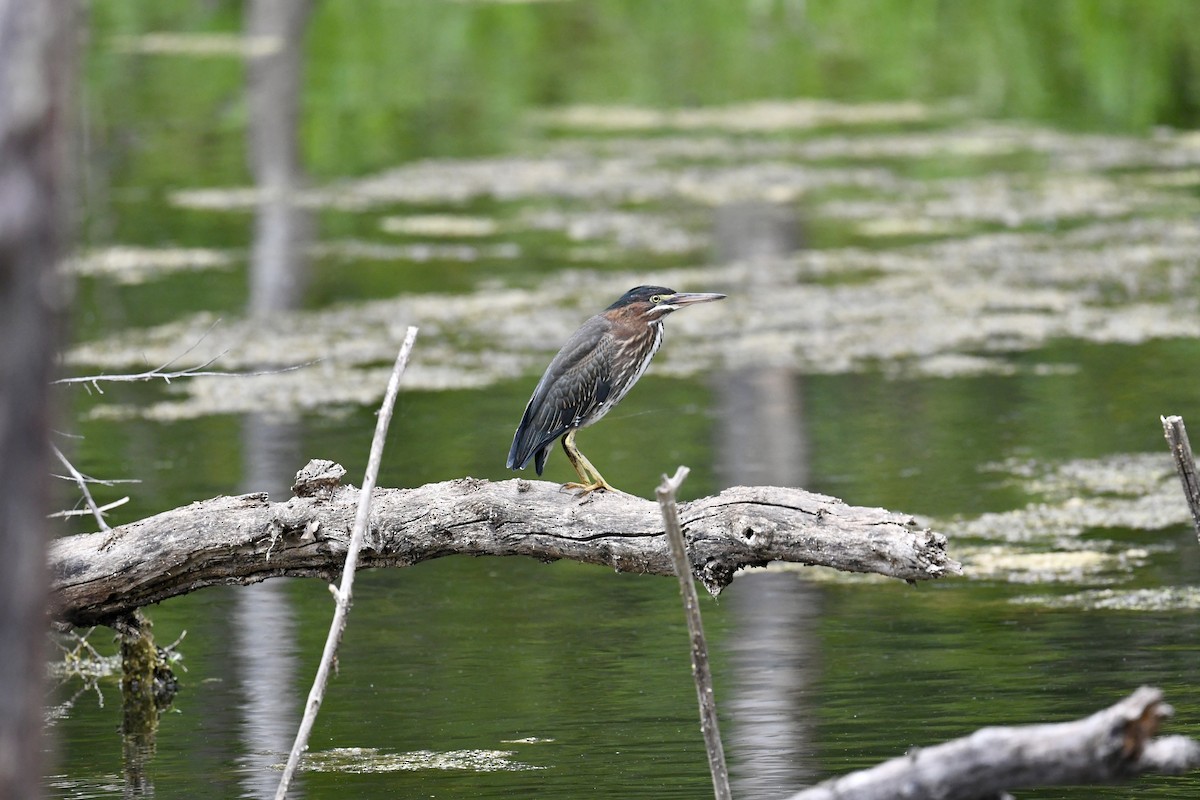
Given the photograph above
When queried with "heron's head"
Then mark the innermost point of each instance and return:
(655, 302)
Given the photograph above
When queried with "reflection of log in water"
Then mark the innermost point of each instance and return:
(761, 440)
(147, 688)
(263, 621)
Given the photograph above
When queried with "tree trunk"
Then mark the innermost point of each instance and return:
(33, 71)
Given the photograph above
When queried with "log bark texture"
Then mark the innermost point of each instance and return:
(100, 578)
(1111, 745)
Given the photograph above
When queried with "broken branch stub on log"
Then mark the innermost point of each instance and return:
(1185, 464)
(101, 577)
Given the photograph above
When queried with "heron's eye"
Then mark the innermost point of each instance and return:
(656, 299)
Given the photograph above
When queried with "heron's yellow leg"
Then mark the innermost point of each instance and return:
(588, 474)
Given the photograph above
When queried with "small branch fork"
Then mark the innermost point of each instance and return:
(82, 483)
(344, 594)
(92, 383)
(701, 672)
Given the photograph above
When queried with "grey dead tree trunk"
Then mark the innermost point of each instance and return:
(34, 70)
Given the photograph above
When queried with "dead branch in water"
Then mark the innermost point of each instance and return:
(100, 578)
(1114, 744)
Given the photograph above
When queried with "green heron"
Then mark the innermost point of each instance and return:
(592, 372)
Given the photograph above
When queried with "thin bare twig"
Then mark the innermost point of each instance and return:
(81, 479)
(344, 594)
(691, 608)
(198, 371)
(96, 511)
(101, 481)
(160, 372)
(92, 381)
(195, 344)
(80, 512)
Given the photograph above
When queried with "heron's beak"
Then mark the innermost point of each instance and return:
(681, 299)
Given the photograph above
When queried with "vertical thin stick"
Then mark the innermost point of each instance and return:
(1181, 449)
(691, 608)
(344, 594)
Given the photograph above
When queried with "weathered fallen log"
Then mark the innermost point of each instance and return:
(100, 578)
(1114, 744)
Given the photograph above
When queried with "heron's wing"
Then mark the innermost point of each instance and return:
(573, 386)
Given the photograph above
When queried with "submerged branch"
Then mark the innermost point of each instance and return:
(101, 577)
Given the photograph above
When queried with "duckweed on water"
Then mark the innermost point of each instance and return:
(1163, 598)
(758, 117)
(1044, 541)
(1097, 251)
(133, 265)
(368, 760)
(923, 310)
(1127, 491)
(440, 225)
(1060, 566)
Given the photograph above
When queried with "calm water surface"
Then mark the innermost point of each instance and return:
(504, 677)
(582, 674)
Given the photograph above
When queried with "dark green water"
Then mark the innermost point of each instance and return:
(820, 377)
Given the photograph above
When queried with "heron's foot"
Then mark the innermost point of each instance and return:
(591, 477)
(584, 489)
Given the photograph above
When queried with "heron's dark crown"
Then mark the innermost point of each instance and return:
(641, 294)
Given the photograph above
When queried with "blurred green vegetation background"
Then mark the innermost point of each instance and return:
(394, 79)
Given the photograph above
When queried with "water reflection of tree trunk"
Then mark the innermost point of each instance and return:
(278, 273)
(761, 440)
(264, 623)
